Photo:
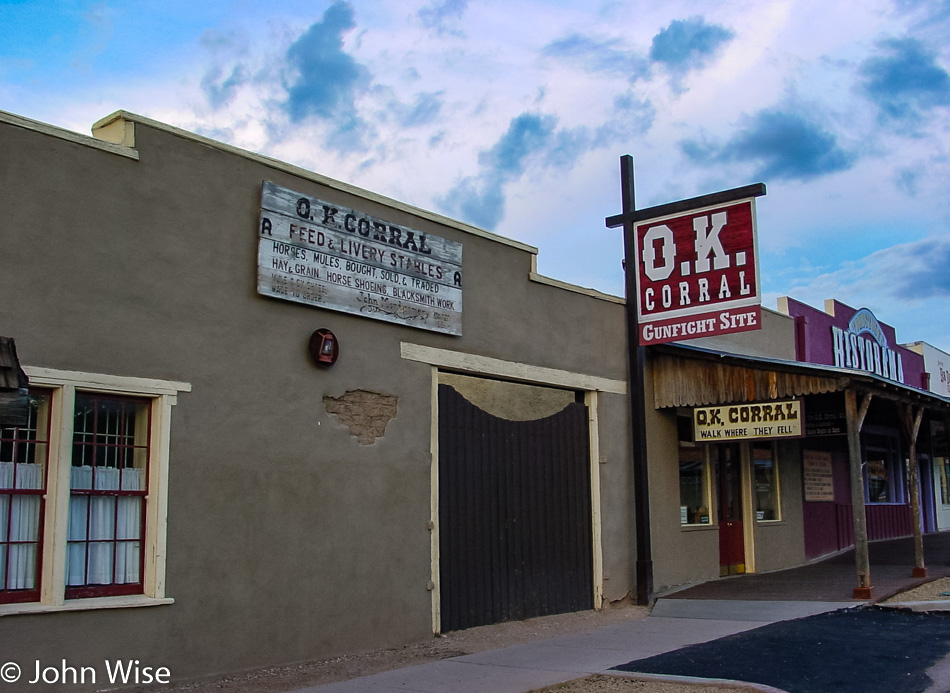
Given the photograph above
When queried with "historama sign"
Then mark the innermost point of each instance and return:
(325, 255)
(698, 274)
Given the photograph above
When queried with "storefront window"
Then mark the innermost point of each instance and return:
(878, 481)
(883, 470)
(765, 478)
(941, 462)
(694, 480)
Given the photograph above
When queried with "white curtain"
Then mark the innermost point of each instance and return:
(92, 518)
(19, 521)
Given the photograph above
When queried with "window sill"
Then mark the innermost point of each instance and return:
(129, 602)
(697, 528)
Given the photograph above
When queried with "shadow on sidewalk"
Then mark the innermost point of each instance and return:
(834, 578)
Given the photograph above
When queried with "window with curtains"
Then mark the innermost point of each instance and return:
(107, 486)
(83, 495)
(24, 456)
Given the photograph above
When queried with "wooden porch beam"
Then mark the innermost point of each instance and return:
(912, 417)
(855, 417)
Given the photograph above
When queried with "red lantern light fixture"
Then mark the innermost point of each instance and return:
(324, 347)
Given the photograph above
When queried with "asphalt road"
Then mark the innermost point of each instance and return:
(862, 650)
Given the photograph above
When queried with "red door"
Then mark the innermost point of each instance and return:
(729, 483)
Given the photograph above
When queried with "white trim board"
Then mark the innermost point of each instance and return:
(68, 135)
(103, 382)
(108, 128)
(512, 370)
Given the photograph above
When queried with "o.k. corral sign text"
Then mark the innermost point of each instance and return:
(697, 273)
(326, 255)
(748, 421)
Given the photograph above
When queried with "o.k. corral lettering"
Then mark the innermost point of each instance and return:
(325, 255)
(697, 274)
(748, 421)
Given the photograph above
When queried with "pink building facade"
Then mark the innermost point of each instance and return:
(855, 340)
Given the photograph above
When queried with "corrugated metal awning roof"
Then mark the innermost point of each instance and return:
(688, 376)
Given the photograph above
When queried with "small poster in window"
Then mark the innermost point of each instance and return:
(818, 476)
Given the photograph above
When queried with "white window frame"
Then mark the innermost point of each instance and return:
(707, 479)
(64, 385)
(776, 482)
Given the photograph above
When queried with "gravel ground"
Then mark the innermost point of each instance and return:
(289, 678)
(929, 592)
(619, 684)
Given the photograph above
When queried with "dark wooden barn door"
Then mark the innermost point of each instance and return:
(514, 514)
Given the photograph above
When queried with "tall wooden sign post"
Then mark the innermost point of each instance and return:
(636, 355)
(690, 271)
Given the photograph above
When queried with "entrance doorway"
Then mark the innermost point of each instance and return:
(727, 462)
(941, 473)
(515, 509)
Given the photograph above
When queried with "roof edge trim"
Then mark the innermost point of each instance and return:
(313, 177)
(68, 135)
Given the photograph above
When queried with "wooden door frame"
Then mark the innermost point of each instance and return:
(487, 367)
(745, 497)
(748, 512)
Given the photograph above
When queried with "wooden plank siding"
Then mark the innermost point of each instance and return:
(688, 382)
(515, 514)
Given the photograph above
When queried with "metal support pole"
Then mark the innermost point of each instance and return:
(636, 356)
(861, 559)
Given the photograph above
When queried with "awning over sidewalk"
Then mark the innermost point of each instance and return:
(688, 376)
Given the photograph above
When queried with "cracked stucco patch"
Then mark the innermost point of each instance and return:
(365, 414)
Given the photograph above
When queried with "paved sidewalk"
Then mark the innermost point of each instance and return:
(700, 614)
(674, 624)
(834, 579)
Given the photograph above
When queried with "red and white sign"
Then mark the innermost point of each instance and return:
(697, 274)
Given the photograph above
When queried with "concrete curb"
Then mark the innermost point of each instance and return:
(931, 607)
(695, 680)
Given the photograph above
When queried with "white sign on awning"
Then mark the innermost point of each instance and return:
(325, 255)
(763, 420)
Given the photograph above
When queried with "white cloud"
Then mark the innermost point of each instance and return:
(904, 285)
(818, 238)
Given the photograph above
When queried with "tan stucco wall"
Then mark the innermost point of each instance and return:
(684, 556)
(775, 340)
(616, 493)
(288, 540)
(782, 544)
(680, 556)
(506, 400)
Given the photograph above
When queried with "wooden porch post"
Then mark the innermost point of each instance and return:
(912, 418)
(855, 421)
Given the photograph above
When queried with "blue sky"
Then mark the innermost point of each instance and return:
(513, 116)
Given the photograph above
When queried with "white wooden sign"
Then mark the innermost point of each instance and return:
(697, 273)
(818, 476)
(325, 255)
(748, 421)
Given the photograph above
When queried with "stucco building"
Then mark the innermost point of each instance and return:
(275, 417)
